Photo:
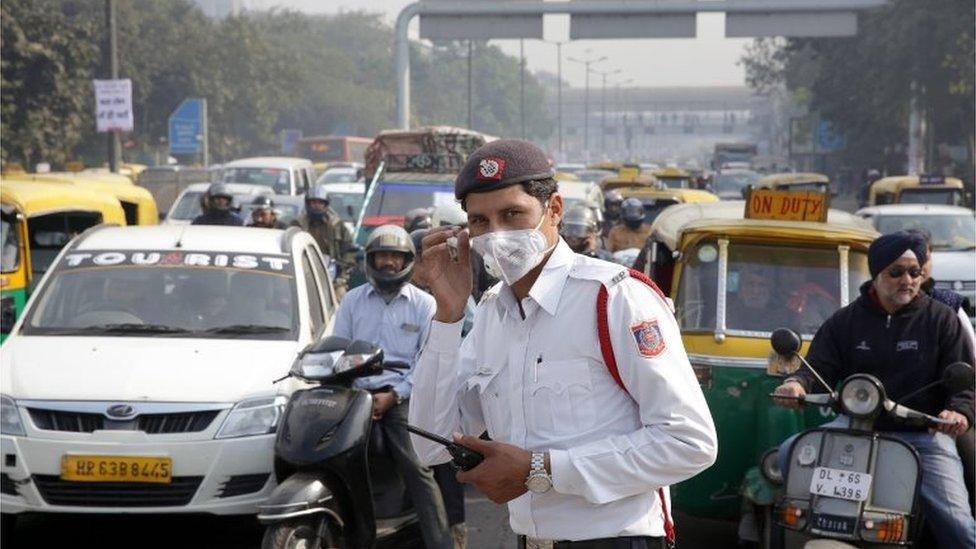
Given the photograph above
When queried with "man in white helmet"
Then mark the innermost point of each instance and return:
(394, 314)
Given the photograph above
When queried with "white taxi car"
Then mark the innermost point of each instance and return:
(953, 230)
(141, 376)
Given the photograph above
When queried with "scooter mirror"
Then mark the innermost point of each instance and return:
(785, 341)
(958, 377)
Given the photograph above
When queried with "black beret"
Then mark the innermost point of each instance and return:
(499, 164)
(889, 247)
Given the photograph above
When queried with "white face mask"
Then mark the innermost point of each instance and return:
(510, 255)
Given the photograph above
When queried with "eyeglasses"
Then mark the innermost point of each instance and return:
(898, 271)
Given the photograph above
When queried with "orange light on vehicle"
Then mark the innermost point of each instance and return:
(791, 515)
(887, 530)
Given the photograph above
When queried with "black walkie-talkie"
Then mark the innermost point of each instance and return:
(464, 458)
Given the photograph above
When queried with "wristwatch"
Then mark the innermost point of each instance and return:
(539, 481)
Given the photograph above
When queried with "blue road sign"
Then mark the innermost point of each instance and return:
(828, 140)
(186, 128)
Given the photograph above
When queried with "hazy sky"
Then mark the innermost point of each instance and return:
(708, 60)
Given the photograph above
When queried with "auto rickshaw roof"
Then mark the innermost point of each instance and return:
(678, 195)
(34, 198)
(727, 217)
(619, 183)
(605, 165)
(565, 176)
(119, 186)
(792, 179)
(670, 172)
(895, 184)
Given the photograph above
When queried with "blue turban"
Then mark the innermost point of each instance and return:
(888, 248)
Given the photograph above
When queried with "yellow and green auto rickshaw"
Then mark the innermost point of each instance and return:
(674, 178)
(735, 275)
(43, 218)
(137, 202)
(14, 265)
(917, 189)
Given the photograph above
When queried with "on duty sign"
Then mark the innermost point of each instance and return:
(787, 205)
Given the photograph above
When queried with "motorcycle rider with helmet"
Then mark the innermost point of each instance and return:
(328, 230)
(219, 210)
(579, 228)
(612, 201)
(395, 315)
(264, 215)
(633, 232)
(418, 218)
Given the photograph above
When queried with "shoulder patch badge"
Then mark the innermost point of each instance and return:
(618, 277)
(650, 340)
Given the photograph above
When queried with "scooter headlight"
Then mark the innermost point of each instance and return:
(861, 396)
(351, 362)
(769, 466)
(257, 416)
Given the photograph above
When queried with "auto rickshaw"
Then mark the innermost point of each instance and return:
(14, 265)
(137, 202)
(654, 195)
(735, 274)
(674, 178)
(54, 213)
(917, 189)
(607, 165)
(803, 181)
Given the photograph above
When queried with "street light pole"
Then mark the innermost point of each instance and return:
(603, 109)
(522, 85)
(114, 145)
(559, 92)
(470, 111)
(586, 98)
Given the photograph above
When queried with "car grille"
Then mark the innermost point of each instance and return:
(7, 485)
(116, 494)
(154, 424)
(243, 484)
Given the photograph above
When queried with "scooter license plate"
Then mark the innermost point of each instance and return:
(838, 483)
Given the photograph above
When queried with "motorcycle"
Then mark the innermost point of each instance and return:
(337, 486)
(848, 487)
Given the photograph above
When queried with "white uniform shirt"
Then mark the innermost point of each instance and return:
(540, 383)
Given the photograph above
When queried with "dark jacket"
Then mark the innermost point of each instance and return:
(906, 351)
(216, 217)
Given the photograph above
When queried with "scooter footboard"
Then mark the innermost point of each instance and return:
(303, 493)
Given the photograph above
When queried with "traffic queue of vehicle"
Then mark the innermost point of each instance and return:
(199, 370)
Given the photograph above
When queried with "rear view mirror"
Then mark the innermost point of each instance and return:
(785, 342)
(958, 377)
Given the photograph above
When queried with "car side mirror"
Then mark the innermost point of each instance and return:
(785, 342)
(958, 377)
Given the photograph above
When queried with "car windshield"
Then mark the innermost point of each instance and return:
(767, 287)
(733, 183)
(10, 237)
(188, 207)
(949, 197)
(274, 178)
(347, 205)
(342, 175)
(949, 232)
(396, 199)
(174, 293)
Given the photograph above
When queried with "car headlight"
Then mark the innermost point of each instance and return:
(10, 417)
(258, 416)
(861, 396)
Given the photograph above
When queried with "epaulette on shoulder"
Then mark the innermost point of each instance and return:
(604, 272)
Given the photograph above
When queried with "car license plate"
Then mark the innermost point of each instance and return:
(80, 468)
(838, 483)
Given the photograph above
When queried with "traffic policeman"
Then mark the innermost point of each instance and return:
(576, 456)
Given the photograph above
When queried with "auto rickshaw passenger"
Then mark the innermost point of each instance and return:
(753, 306)
(633, 232)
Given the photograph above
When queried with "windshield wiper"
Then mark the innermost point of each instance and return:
(130, 327)
(246, 329)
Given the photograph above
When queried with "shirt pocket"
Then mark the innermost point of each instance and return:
(487, 383)
(404, 339)
(562, 399)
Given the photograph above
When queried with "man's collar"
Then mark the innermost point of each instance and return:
(373, 291)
